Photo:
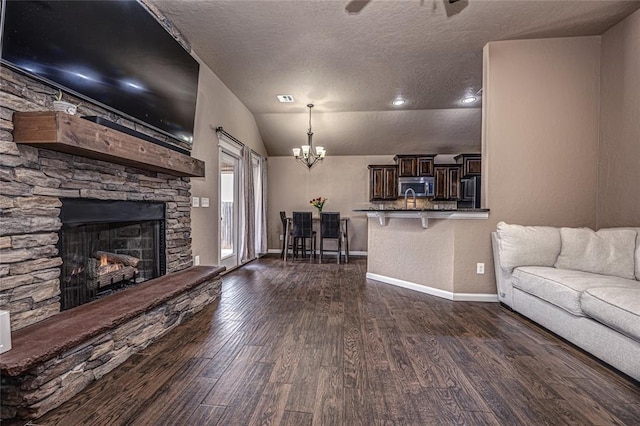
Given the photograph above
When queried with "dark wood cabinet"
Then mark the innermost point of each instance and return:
(383, 182)
(414, 165)
(407, 165)
(447, 182)
(425, 166)
(471, 164)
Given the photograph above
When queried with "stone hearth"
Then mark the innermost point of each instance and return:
(55, 359)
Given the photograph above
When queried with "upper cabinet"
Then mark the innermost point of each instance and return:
(414, 165)
(471, 164)
(383, 182)
(447, 182)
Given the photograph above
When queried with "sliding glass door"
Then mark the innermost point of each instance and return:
(242, 203)
(229, 209)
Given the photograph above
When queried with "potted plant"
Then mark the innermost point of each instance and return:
(63, 106)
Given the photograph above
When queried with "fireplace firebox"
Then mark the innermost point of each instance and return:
(108, 245)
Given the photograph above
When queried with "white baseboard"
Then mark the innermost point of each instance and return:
(465, 297)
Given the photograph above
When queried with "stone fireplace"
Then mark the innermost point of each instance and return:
(33, 196)
(85, 212)
(108, 245)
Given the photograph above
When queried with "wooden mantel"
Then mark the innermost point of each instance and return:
(62, 132)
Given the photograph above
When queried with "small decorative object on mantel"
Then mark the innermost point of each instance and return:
(318, 203)
(63, 106)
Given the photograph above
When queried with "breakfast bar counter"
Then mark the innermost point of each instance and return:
(416, 248)
(425, 214)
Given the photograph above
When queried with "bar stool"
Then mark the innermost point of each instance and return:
(303, 230)
(283, 218)
(330, 229)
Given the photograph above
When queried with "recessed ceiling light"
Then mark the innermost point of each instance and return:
(469, 99)
(285, 98)
(398, 102)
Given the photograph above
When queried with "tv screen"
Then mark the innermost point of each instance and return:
(113, 53)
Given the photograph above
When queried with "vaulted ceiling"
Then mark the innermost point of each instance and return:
(353, 65)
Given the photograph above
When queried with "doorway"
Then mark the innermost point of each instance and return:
(229, 209)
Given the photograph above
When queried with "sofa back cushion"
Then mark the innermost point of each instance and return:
(606, 252)
(638, 256)
(527, 245)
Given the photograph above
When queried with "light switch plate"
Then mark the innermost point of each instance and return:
(205, 202)
(5, 331)
(195, 202)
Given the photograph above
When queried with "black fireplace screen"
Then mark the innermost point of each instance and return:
(108, 245)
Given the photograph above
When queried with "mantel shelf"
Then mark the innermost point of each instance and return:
(58, 131)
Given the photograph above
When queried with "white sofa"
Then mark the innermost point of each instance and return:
(580, 284)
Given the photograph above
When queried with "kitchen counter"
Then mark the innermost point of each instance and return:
(417, 248)
(424, 214)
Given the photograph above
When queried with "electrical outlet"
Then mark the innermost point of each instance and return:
(480, 268)
(281, 237)
(196, 260)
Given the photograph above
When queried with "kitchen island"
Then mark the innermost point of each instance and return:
(416, 249)
(425, 214)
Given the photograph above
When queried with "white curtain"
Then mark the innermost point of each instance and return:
(262, 246)
(259, 165)
(247, 246)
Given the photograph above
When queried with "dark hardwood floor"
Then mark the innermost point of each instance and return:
(302, 344)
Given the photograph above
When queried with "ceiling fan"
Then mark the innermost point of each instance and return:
(355, 6)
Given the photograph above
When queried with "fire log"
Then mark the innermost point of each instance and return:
(117, 258)
(127, 272)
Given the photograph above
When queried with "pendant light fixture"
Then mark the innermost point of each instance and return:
(305, 154)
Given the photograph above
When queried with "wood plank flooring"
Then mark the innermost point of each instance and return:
(310, 344)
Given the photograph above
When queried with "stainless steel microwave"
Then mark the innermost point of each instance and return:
(423, 186)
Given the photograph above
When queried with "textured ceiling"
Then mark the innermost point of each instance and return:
(351, 66)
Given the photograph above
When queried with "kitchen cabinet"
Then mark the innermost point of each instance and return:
(383, 182)
(471, 164)
(414, 165)
(447, 182)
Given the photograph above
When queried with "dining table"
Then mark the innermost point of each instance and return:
(344, 221)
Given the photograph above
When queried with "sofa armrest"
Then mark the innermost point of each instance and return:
(503, 278)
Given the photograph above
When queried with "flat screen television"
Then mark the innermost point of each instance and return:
(112, 53)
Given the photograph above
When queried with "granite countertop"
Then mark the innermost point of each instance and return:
(466, 210)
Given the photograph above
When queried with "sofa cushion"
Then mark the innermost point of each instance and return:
(527, 245)
(606, 252)
(618, 308)
(563, 287)
(637, 261)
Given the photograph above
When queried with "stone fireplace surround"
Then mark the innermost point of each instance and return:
(33, 181)
(56, 355)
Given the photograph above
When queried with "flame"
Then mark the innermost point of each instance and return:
(103, 260)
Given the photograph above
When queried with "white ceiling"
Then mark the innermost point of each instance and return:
(351, 66)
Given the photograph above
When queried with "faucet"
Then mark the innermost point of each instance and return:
(406, 194)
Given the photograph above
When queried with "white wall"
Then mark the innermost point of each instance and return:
(540, 143)
(216, 106)
(619, 155)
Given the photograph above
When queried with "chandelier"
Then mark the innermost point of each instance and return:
(305, 154)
